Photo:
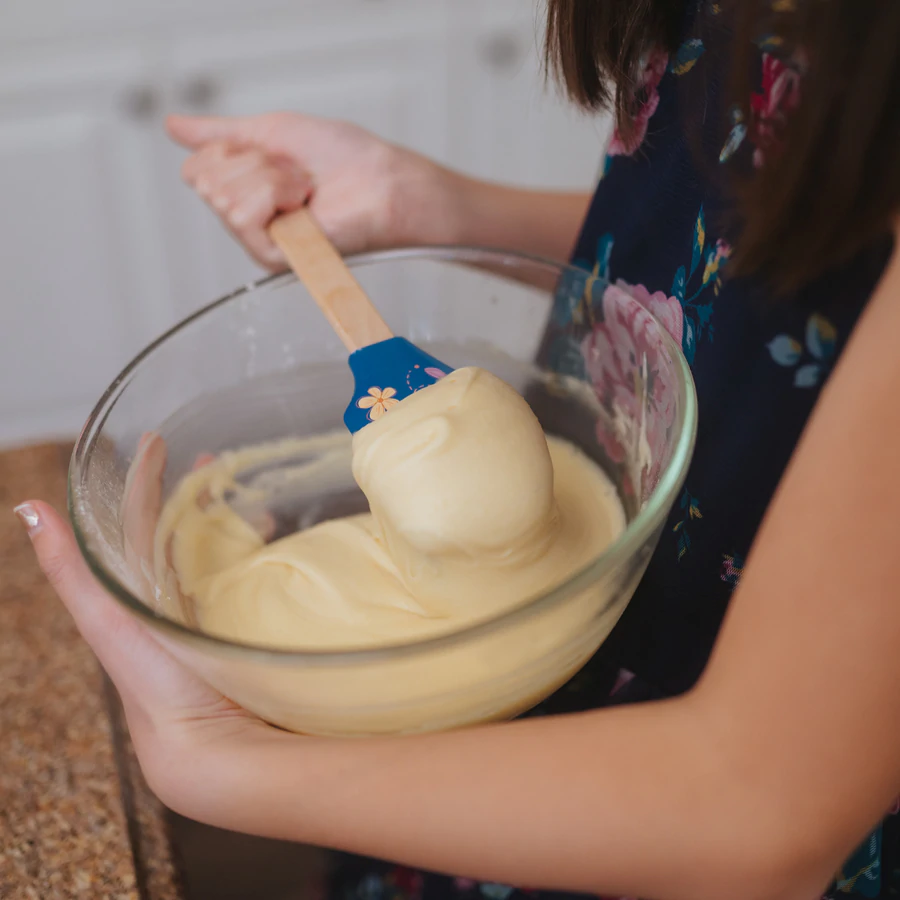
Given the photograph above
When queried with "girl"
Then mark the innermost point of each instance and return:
(749, 200)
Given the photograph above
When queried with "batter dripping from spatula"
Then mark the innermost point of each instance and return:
(473, 510)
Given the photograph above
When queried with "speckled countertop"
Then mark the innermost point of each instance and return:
(70, 826)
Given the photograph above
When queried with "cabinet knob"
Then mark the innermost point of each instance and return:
(199, 93)
(501, 51)
(141, 103)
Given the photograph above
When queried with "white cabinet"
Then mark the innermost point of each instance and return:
(102, 247)
(511, 123)
(391, 80)
(80, 249)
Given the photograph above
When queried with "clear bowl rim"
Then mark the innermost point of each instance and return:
(648, 519)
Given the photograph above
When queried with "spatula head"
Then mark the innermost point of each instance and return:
(386, 373)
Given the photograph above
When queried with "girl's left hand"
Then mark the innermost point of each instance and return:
(183, 730)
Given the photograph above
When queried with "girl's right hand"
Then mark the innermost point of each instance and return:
(366, 194)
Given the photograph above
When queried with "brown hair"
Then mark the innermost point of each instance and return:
(834, 185)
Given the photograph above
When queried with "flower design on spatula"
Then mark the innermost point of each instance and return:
(378, 402)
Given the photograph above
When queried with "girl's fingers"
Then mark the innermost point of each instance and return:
(255, 238)
(254, 199)
(247, 189)
(203, 160)
(214, 181)
(122, 645)
(281, 133)
(203, 459)
(194, 132)
(153, 684)
(263, 523)
(140, 507)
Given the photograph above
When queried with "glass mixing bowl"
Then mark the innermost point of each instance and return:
(262, 364)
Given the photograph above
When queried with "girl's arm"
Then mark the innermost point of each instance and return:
(542, 223)
(367, 194)
(756, 784)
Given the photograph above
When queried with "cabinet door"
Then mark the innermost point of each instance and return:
(385, 73)
(83, 277)
(509, 123)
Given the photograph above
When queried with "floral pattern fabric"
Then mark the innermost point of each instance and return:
(658, 230)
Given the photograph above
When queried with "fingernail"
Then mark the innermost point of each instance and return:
(29, 517)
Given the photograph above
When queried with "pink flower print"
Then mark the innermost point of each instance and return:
(622, 679)
(779, 98)
(610, 352)
(654, 70)
(406, 883)
(667, 309)
(732, 569)
(436, 374)
(623, 356)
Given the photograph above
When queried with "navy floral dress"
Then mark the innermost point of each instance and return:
(658, 228)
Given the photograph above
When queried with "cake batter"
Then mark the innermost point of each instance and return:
(473, 510)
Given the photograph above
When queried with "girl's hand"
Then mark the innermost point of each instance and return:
(183, 730)
(367, 194)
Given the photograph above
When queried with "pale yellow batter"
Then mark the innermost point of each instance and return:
(473, 510)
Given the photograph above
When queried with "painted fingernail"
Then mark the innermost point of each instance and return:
(29, 517)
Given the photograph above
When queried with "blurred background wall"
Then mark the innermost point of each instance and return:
(102, 246)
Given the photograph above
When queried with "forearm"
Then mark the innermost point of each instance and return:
(627, 801)
(542, 223)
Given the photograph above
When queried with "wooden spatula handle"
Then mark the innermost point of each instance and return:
(319, 266)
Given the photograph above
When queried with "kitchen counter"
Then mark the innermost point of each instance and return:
(76, 818)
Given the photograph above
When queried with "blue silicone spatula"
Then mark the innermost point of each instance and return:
(386, 369)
